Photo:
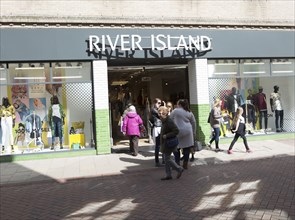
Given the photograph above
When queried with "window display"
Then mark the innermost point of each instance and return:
(253, 79)
(7, 113)
(276, 106)
(40, 104)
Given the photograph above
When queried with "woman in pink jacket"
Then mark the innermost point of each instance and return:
(131, 123)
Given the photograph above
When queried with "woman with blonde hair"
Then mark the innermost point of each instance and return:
(169, 130)
(215, 117)
(239, 128)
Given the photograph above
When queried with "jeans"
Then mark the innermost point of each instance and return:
(57, 125)
(170, 163)
(251, 117)
(215, 137)
(279, 115)
(261, 115)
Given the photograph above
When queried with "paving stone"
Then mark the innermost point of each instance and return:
(261, 188)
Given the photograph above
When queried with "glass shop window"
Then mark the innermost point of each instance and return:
(71, 72)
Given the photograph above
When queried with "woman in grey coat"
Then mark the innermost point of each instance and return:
(186, 123)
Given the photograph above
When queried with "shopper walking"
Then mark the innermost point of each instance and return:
(186, 123)
(239, 128)
(170, 106)
(215, 117)
(156, 129)
(169, 130)
(131, 123)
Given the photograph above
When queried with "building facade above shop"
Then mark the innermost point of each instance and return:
(25, 44)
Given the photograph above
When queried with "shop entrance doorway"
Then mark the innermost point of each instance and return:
(140, 85)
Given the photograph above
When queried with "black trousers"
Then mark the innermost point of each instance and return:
(279, 116)
(235, 140)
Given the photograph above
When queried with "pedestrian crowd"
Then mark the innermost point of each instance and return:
(173, 130)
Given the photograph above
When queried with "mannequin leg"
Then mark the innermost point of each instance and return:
(53, 130)
(282, 120)
(10, 134)
(265, 119)
(260, 119)
(59, 129)
(3, 127)
(277, 120)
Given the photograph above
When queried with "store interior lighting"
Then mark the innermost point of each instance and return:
(68, 66)
(29, 67)
(254, 72)
(254, 62)
(30, 77)
(281, 62)
(225, 63)
(225, 73)
(119, 83)
(2, 66)
(66, 77)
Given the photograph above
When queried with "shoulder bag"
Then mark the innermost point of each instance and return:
(172, 142)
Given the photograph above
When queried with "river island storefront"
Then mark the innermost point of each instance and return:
(95, 73)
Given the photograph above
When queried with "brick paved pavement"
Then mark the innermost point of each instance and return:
(246, 189)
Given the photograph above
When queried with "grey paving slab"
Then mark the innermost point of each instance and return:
(260, 188)
(118, 163)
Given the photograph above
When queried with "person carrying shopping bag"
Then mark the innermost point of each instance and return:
(186, 123)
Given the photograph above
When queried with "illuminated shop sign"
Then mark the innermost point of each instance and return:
(154, 42)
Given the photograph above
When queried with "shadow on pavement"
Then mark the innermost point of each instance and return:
(253, 189)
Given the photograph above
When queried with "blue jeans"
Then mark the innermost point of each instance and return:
(57, 125)
(215, 137)
(263, 114)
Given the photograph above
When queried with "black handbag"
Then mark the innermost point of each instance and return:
(172, 142)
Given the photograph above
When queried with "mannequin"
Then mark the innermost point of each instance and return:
(251, 108)
(7, 113)
(56, 117)
(233, 101)
(262, 107)
(276, 106)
